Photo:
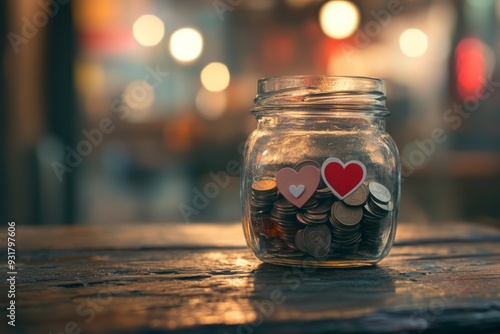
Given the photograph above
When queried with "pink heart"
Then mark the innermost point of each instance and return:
(343, 178)
(306, 180)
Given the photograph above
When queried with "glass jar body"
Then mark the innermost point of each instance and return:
(293, 138)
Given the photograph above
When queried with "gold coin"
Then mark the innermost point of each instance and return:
(264, 185)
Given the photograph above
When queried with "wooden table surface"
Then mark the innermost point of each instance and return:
(200, 278)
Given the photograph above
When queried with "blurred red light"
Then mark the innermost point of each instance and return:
(470, 67)
(108, 41)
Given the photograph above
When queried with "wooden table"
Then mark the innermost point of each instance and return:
(200, 278)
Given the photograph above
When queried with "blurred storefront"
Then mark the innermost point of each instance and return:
(123, 111)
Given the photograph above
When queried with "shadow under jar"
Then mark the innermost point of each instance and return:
(321, 180)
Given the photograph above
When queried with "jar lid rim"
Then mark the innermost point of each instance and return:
(326, 90)
(302, 76)
(322, 83)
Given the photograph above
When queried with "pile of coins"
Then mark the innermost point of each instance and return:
(346, 220)
(315, 240)
(264, 194)
(324, 226)
(314, 236)
(378, 206)
(283, 216)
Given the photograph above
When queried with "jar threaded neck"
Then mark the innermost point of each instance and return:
(321, 93)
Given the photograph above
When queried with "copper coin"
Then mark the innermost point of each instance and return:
(323, 207)
(300, 218)
(358, 197)
(345, 214)
(315, 218)
(264, 185)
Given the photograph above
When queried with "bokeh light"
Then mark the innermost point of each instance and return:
(339, 19)
(148, 30)
(413, 42)
(211, 105)
(186, 44)
(215, 77)
(470, 66)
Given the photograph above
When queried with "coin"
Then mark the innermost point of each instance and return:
(283, 203)
(300, 218)
(345, 214)
(370, 213)
(301, 164)
(319, 218)
(299, 240)
(352, 242)
(323, 192)
(274, 245)
(311, 203)
(320, 253)
(264, 194)
(358, 197)
(317, 238)
(379, 192)
(374, 226)
(322, 207)
(264, 185)
(283, 216)
(324, 226)
(316, 164)
(379, 208)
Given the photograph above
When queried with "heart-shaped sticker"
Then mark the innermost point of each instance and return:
(298, 187)
(296, 191)
(343, 178)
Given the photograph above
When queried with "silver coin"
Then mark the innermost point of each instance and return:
(317, 238)
(379, 192)
(381, 209)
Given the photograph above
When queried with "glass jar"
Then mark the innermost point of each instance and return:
(321, 180)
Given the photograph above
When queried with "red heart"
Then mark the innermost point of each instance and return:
(298, 187)
(343, 178)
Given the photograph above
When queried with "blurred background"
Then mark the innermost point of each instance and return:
(117, 111)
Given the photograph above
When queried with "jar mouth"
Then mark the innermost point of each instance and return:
(321, 93)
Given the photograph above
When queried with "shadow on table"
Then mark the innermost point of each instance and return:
(288, 294)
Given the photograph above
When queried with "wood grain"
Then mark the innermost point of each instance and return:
(185, 278)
